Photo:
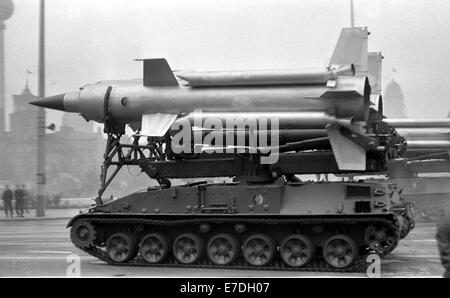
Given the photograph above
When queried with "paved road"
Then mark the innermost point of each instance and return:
(41, 248)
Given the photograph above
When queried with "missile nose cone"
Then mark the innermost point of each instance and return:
(55, 102)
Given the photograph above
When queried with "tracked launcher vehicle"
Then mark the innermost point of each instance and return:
(263, 217)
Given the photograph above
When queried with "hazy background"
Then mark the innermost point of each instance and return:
(92, 40)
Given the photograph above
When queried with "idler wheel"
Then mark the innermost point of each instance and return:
(121, 247)
(154, 248)
(223, 249)
(340, 251)
(259, 249)
(188, 248)
(296, 250)
(381, 238)
(82, 234)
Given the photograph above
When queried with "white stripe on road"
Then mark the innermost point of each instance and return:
(31, 232)
(411, 256)
(35, 236)
(15, 258)
(66, 243)
(407, 262)
(49, 252)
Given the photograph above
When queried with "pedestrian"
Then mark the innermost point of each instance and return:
(26, 198)
(443, 239)
(18, 196)
(7, 201)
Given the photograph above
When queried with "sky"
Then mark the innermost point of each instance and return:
(93, 40)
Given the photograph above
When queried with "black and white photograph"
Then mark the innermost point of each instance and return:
(202, 141)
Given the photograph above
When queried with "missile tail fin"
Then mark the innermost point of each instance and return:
(157, 73)
(374, 71)
(351, 48)
(156, 125)
(349, 155)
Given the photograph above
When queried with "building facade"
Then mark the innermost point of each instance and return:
(74, 154)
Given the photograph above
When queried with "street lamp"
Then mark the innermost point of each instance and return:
(40, 179)
(6, 11)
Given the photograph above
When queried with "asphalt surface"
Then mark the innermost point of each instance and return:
(42, 248)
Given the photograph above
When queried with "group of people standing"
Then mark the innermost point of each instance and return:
(20, 198)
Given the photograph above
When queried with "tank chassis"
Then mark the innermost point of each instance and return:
(265, 219)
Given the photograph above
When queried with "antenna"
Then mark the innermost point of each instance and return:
(352, 14)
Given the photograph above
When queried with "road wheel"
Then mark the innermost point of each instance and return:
(259, 249)
(82, 234)
(154, 248)
(121, 247)
(340, 251)
(223, 249)
(188, 248)
(296, 250)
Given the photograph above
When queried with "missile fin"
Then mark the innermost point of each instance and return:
(374, 71)
(156, 125)
(349, 155)
(157, 73)
(351, 48)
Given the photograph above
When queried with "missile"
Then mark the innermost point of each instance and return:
(285, 136)
(267, 77)
(152, 107)
(418, 123)
(434, 153)
(286, 120)
(426, 135)
(305, 145)
(429, 144)
(127, 103)
(246, 128)
(438, 133)
(329, 99)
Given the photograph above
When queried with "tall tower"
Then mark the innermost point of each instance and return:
(6, 11)
(394, 101)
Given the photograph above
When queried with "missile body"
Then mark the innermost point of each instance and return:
(425, 135)
(129, 101)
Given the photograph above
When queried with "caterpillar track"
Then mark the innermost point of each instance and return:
(122, 240)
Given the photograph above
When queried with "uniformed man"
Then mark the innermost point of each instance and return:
(7, 201)
(26, 197)
(443, 239)
(18, 196)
